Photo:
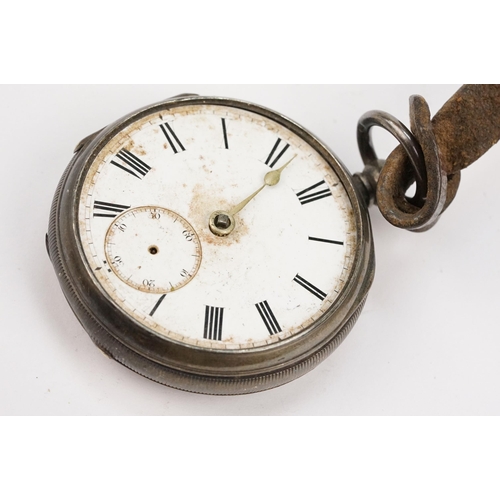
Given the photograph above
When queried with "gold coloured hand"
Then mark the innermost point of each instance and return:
(271, 179)
(222, 222)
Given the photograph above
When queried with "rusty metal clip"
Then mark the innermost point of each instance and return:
(461, 132)
(405, 138)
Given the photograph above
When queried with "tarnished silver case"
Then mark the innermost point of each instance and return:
(186, 367)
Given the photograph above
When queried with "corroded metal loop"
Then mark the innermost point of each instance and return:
(395, 178)
(460, 133)
(405, 138)
(416, 160)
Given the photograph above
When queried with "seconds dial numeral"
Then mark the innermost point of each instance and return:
(172, 139)
(268, 317)
(310, 287)
(133, 165)
(105, 209)
(317, 193)
(275, 154)
(214, 317)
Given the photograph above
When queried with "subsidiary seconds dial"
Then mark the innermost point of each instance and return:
(153, 249)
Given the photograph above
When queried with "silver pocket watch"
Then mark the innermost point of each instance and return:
(212, 245)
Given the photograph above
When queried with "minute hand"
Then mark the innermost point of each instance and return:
(271, 179)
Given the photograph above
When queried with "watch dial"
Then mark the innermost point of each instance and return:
(160, 196)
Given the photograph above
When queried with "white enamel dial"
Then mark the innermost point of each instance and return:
(277, 271)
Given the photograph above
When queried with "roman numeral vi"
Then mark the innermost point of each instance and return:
(214, 317)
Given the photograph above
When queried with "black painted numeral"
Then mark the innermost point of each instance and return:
(224, 131)
(310, 287)
(157, 305)
(214, 317)
(172, 139)
(272, 159)
(268, 317)
(133, 165)
(317, 194)
(322, 240)
(105, 209)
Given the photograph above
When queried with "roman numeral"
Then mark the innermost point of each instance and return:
(271, 159)
(157, 305)
(310, 287)
(322, 240)
(318, 194)
(224, 131)
(105, 209)
(172, 139)
(268, 317)
(214, 317)
(133, 165)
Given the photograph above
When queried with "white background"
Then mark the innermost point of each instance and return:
(427, 343)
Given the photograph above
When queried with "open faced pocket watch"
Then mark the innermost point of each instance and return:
(213, 245)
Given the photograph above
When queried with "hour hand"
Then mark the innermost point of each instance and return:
(222, 223)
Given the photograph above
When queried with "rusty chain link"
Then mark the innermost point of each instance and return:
(431, 155)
